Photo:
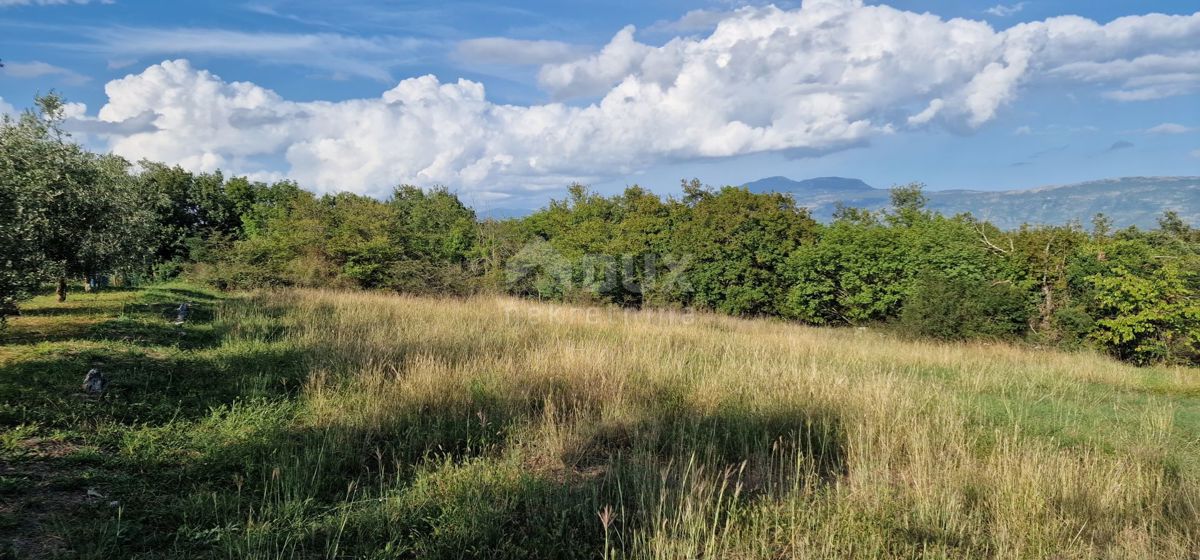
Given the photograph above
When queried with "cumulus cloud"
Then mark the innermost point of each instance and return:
(78, 122)
(1169, 128)
(6, 108)
(691, 22)
(38, 69)
(502, 50)
(622, 57)
(824, 77)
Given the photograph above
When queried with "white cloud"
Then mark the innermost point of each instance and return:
(6, 108)
(502, 50)
(1005, 10)
(1169, 128)
(693, 21)
(827, 76)
(38, 69)
(1153, 76)
(928, 114)
(1195, 153)
(1146, 57)
(74, 110)
(595, 75)
(1023, 130)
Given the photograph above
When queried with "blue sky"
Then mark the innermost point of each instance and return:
(566, 91)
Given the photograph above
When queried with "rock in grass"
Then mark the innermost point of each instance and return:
(94, 382)
(181, 314)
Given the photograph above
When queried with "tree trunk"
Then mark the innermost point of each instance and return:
(1046, 310)
(62, 289)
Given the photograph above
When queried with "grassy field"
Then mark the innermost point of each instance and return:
(353, 425)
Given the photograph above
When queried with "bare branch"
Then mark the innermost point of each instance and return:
(982, 233)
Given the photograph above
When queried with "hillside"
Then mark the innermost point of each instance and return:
(1128, 201)
(347, 425)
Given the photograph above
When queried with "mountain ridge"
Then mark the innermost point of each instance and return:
(1128, 201)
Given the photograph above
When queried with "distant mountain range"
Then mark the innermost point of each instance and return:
(1127, 201)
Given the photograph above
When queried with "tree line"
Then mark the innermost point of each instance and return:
(69, 215)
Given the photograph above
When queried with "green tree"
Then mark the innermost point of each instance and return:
(357, 238)
(856, 272)
(736, 243)
(74, 213)
(22, 212)
(580, 229)
(258, 203)
(908, 204)
(1037, 259)
(1145, 317)
(862, 267)
(190, 209)
(434, 224)
(437, 233)
(641, 246)
(497, 241)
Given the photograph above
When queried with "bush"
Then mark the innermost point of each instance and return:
(426, 277)
(168, 270)
(947, 308)
(1072, 325)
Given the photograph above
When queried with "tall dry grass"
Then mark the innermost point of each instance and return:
(499, 427)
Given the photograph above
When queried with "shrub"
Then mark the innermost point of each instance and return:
(948, 308)
(168, 270)
(1072, 325)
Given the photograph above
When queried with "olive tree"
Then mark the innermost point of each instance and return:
(64, 211)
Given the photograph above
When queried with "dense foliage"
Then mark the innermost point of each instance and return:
(64, 212)
(67, 213)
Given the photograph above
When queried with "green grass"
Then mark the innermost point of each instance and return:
(340, 425)
(165, 425)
